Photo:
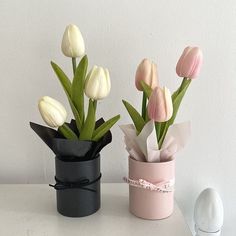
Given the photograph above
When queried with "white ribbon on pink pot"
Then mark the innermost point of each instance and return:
(163, 186)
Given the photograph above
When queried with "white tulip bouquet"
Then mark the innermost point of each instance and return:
(96, 85)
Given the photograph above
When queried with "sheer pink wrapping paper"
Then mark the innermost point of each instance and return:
(151, 204)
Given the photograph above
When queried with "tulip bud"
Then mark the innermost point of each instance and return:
(52, 112)
(189, 63)
(160, 107)
(72, 42)
(97, 83)
(147, 72)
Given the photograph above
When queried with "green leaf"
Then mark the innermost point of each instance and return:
(146, 89)
(135, 116)
(66, 84)
(77, 90)
(65, 81)
(158, 129)
(163, 125)
(67, 132)
(176, 99)
(144, 106)
(89, 124)
(104, 128)
(76, 114)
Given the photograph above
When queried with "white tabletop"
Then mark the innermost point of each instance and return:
(30, 210)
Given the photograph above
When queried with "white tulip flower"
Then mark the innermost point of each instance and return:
(52, 111)
(97, 83)
(72, 42)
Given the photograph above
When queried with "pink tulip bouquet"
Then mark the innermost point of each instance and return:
(159, 110)
(153, 139)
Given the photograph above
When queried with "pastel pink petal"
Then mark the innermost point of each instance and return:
(196, 65)
(156, 105)
(190, 62)
(181, 60)
(143, 73)
(147, 72)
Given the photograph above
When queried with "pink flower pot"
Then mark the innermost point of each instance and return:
(145, 203)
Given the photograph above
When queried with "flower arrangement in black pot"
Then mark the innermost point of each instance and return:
(77, 144)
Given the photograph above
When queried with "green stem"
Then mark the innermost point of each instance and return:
(67, 132)
(176, 99)
(95, 105)
(182, 84)
(89, 124)
(144, 106)
(158, 129)
(74, 64)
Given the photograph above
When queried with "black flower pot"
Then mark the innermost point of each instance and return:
(77, 186)
(77, 166)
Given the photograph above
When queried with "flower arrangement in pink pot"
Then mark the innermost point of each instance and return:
(153, 139)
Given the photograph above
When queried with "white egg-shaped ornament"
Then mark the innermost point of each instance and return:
(208, 213)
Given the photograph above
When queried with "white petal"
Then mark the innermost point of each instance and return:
(52, 111)
(97, 84)
(72, 42)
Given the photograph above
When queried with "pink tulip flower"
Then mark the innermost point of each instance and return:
(147, 72)
(160, 107)
(189, 63)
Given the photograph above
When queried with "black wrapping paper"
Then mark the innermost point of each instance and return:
(72, 150)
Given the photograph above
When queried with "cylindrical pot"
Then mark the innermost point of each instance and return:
(145, 203)
(78, 186)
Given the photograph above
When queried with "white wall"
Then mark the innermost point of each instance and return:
(118, 34)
